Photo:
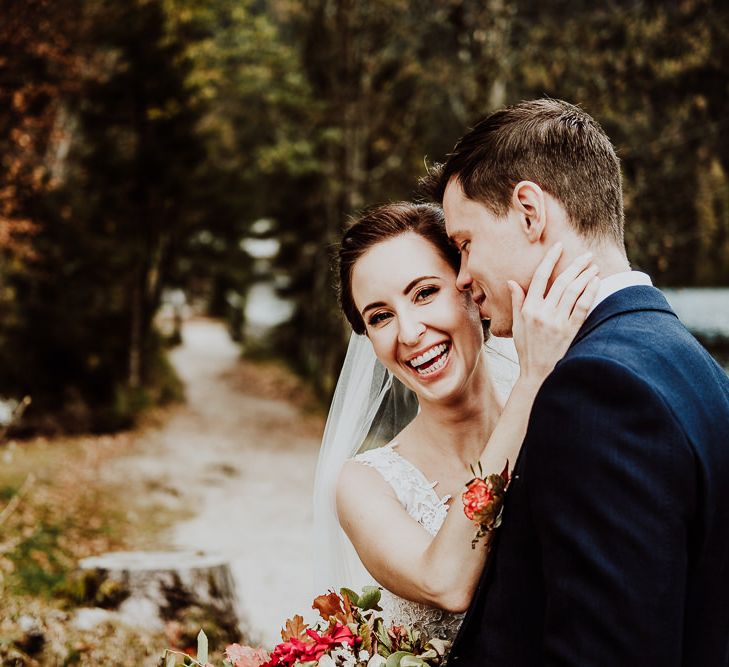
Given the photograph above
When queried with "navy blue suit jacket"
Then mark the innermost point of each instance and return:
(614, 547)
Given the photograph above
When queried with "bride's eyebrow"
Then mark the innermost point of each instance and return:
(406, 291)
(372, 306)
(412, 283)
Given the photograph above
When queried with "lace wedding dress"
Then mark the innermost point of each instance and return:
(418, 497)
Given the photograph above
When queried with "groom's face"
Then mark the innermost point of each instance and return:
(493, 251)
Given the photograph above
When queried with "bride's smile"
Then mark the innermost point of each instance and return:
(431, 361)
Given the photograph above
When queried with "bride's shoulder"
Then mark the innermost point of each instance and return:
(378, 457)
(364, 473)
(367, 463)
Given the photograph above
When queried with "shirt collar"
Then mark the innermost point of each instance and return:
(617, 281)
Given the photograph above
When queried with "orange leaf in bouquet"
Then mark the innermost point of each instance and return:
(329, 605)
(348, 616)
(295, 628)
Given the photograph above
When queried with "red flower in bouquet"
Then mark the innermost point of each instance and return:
(286, 653)
(312, 646)
(341, 634)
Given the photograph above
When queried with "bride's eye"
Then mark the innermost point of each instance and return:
(426, 292)
(378, 318)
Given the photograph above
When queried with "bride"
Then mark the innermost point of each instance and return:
(392, 470)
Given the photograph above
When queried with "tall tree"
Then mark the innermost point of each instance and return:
(391, 82)
(84, 340)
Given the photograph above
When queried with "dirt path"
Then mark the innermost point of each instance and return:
(242, 461)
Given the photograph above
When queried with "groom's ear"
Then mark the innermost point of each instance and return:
(530, 204)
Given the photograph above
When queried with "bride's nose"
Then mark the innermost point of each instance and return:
(410, 331)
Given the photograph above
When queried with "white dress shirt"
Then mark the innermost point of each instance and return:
(617, 281)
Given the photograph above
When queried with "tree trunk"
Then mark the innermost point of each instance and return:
(150, 589)
(136, 335)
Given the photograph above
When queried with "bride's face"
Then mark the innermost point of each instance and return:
(422, 327)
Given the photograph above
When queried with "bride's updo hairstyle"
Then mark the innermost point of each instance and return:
(380, 224)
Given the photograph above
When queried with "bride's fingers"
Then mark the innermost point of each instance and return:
(574, 290)
(538, 286)
(584, 303)
(517, 299)
(565, 279)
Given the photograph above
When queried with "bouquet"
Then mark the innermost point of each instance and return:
(348, 634)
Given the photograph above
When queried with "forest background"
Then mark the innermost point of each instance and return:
(144, 144)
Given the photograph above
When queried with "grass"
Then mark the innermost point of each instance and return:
(64, 509)
(60, 514)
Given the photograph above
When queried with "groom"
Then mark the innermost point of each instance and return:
(614, 547)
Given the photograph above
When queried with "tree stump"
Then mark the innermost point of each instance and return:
(150, 590)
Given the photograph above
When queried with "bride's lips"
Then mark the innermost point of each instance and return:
(442, 357)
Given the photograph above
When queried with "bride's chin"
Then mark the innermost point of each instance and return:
(444, 391)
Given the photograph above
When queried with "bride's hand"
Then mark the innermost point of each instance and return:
(545, 322)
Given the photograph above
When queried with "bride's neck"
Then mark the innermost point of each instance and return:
(462, 426)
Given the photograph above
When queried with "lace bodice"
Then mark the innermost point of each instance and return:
(418, 497)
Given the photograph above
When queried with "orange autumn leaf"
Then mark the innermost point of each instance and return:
(328, 605)
(294, 628)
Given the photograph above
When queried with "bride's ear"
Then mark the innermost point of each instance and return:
(531, 206)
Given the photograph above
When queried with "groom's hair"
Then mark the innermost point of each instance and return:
(550, 142)
(381, 223)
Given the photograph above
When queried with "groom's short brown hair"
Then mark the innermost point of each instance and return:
(550, 142)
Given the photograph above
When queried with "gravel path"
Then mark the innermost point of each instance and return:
(242, 461)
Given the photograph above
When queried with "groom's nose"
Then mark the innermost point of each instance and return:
(464, 281)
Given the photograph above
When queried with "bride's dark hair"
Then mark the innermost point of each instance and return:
(379, 224)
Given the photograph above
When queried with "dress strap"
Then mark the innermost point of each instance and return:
(415, 493)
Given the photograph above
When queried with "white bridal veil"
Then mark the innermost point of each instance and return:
(369, 408)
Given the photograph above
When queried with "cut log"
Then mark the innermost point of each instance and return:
(151, 589)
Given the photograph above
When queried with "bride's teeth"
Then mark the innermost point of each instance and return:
(427, 356)
(431, 369)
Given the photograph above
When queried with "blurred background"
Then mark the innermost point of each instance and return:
(169, 159)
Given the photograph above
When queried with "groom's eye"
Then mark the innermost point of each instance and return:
(463, 248)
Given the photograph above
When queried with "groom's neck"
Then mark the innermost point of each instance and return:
(607, 256)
